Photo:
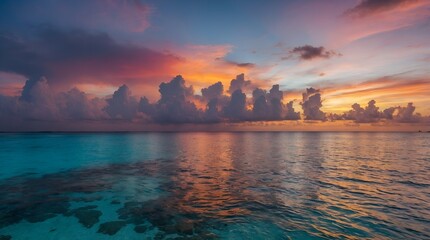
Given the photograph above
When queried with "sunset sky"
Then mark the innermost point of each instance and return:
(348, 51)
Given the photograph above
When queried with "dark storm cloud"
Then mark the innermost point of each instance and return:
(276, 109)
(122, 105)
(175, 90)
(364, 115)
(371, 113)
(175, 105)
(312, 104)
(388, 113)
(268, 106)
(75, 104)
(308, 52)
(407, 115)
(38, 103)
(19, 56)
(236, 108)
(74, 55)
(237, 64)
(239, 83)
(214, 91)
(368, 7)
(213, 113)
(275, 93)
(261, 108)
(258, 92)
(275, 97)
(214, 95)
(245, 65)
(118, 15)
(291, 113)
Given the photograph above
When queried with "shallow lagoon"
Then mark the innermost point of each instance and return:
(215, 185)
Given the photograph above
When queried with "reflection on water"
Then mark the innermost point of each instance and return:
(216, 185)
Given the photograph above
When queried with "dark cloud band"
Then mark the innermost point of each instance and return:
(308, 52)
(178, 104)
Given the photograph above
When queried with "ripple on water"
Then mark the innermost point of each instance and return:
(298, 193)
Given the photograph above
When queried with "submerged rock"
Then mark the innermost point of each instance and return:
(86, 207)
(40, 217)
(88, 216)
(205, 236)
(88, 199)
(209, 235)
(36, 198)
(30, 209)
(60, 206)
(111, 228)
(140, 229)
(115, 202)
(153, 211)
(160, 235)
(5, 237)
(185, 227)
(168, 229)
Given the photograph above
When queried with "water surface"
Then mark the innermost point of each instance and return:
(215, 185)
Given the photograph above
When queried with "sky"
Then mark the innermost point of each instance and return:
(155, 65)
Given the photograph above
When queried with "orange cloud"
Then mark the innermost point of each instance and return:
(387, 92)
(203, 65)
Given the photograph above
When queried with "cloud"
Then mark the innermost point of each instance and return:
(175, 90)
(275, 93)
(258, 92)
(371, 114)
(364, 115)
(388, 113)
(96, 63)
(174, 105)
(370, 7)
(11, 83)
(214, 91)
(36, 91)
(311, 105)
(116, 15)
(38, 102)
(239, 83)
(130, 14)
(215, 101)
(213, 113)
(245, 65)
(39, 105)
(75, 104)
(406, 114)
(291, 113)
(122, 105)
(387, 90)
(268, 106)
(69, 57)
(276, 109)
(236, 108)
(261, 108)
(236, 64)
(308, 52)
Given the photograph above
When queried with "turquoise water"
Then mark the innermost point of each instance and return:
(215, 186)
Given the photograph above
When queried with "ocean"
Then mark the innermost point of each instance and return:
(244, 185)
